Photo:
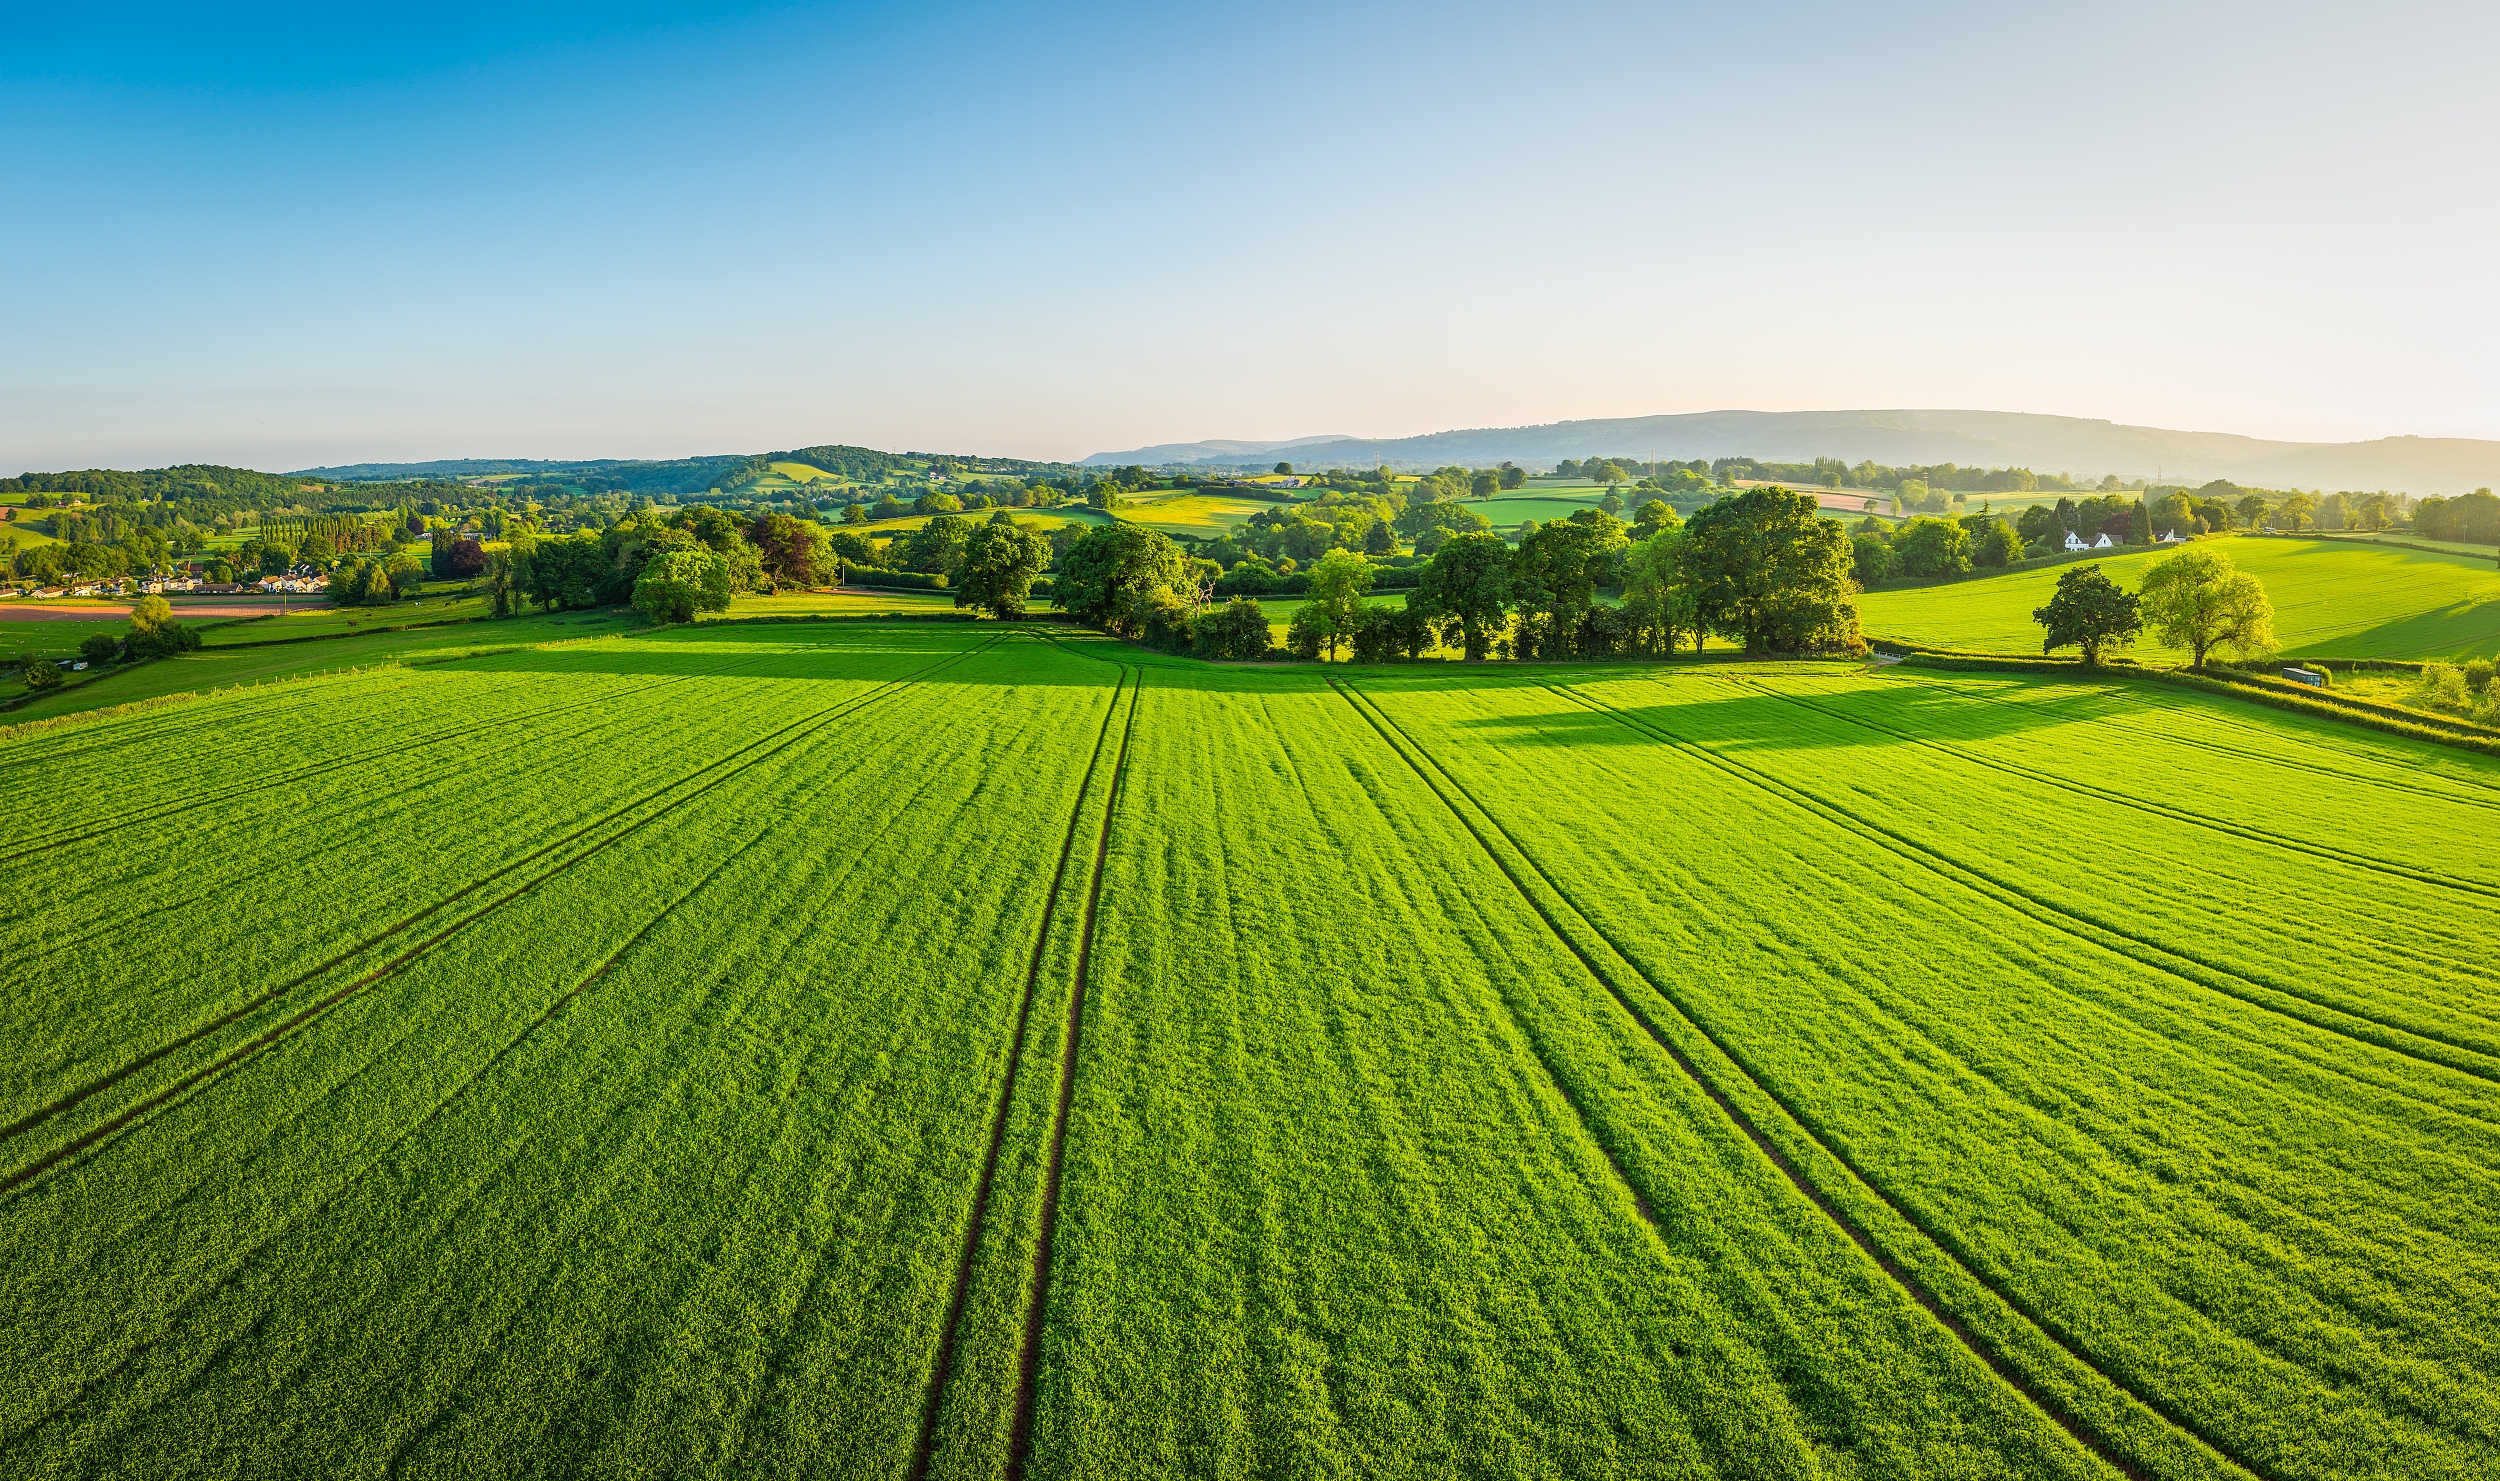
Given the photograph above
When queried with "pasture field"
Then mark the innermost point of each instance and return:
(1031, 519)
(24, 636)
(316, 618)
(842, 602)
(1509, 510)
(979, 1050)
(2332, 598)
(1192, 514)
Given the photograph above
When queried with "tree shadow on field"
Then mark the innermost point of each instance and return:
(1727, 714)
(845, 651)
(2453, 633)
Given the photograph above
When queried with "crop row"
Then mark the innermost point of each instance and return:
(345, 973)
(98, 1009)
(1361, 1174)
(2262, 1231)
(2400, 956)
(669, 1159)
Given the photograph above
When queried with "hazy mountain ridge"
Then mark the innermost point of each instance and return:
(2086, 447)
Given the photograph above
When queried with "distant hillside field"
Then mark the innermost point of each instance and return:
(2332, 598)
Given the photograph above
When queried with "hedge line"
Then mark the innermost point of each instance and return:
(2301, 699)
(2264, 689)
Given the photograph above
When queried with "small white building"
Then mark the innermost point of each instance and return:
(2104, 543)
(2075, 541)
(2171, 537)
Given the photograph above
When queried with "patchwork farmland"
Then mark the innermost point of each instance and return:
(966, 1050)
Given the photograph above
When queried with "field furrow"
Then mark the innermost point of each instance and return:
(1925, 1075)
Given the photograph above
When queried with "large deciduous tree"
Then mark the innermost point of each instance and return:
(1335, 600)
(1113, 573)
(1557, 572)
(2088, 611)
(2197, 601)
(1469, 581)
(676, 585)
(791, 551)
(1765, 568)
(1657, 601)
(999, 563)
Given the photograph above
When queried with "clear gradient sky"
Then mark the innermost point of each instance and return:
(287, 236)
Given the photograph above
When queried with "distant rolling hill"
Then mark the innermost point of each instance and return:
(1992, 439)
(1217, 450)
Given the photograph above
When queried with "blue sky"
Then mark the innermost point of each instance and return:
(289, 236)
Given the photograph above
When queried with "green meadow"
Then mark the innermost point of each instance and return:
(936, 1049)
(2332, 598)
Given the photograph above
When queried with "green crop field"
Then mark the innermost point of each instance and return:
(976, 1050)
(220, 666)
(1192, 514)
(2332, 598)
(1509, 511)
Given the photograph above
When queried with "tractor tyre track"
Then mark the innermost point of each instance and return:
(406, 1135)
(949, 1333)
(2395, 782)
(1029, 1362)
(2328, 1017)
(2104, 794)
(2074, 1425)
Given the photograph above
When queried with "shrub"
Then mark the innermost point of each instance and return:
(99, 648)
(2478, 674)
(1168, 625)
(2442, 687)
(1238, 629)
(42, 674)
(1303, 638)
(1376, 636)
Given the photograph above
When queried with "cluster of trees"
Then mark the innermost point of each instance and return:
(1762, 568)
(376, 581)
(2194, 600)
(2474, 518)
(590, 568)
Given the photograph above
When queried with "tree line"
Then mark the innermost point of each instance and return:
(1761, 568)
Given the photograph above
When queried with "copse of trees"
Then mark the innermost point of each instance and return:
(1763, 568)
(2473, 518)
(154, 633)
